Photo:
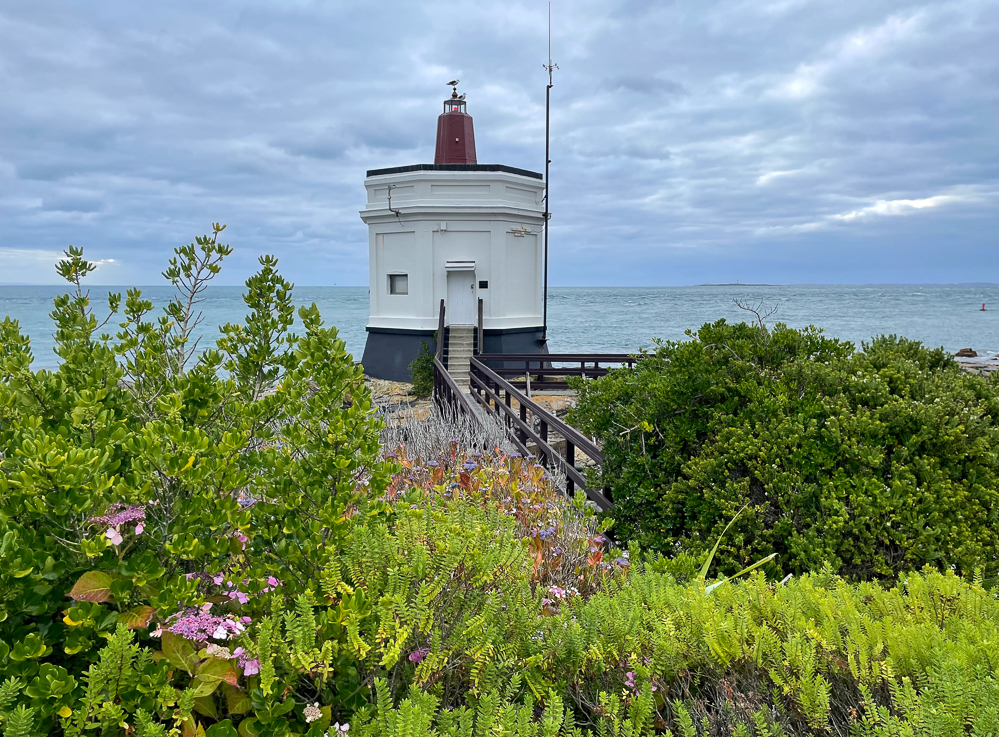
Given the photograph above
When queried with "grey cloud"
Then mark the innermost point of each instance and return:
(74, 202)
(644, 85)
(691, 139)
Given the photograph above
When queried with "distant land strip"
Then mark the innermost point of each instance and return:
(876, 284)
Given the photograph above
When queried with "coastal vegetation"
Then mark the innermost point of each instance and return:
(225, 540)
(875, 462)
(421, 371)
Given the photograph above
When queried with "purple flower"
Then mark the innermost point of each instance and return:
(251, 667)
(139, 528)
(238, 596)
(199, 625)
(119, 514)
(630, 679)
(418, 655)
(545, 534)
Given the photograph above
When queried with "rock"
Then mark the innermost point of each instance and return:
(555, 404)
(967, 353)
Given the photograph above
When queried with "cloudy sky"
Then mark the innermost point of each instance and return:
(789, 141)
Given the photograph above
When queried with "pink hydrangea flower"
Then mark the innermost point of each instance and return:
(114, 536)
(312, 713)
(139, 528)
(119, 514)
(199, 625)
(251, 667)
(218, 651)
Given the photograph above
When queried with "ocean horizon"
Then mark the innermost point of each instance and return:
(617, 319)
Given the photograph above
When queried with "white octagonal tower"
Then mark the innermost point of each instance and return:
(454, 230)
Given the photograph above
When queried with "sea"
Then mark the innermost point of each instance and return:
(618, 319)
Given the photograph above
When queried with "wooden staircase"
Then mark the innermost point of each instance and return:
(461, 339)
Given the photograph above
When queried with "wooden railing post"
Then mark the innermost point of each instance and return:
(523, 418)
(440, 334)
(570, 459)
(482, 333)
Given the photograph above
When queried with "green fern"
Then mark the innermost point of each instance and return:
(20, 722)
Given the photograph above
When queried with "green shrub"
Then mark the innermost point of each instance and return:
(449, 633)
(210, 544)
(877, 462)
(421, 371)
(141, 479)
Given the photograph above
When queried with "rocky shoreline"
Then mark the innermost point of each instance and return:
(972, 362)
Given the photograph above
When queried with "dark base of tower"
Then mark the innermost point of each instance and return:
(388, 352)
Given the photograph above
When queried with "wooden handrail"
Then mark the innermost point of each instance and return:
(447, 392)
(562, 357)
(566, 431)
(487, 382)
(551, 368)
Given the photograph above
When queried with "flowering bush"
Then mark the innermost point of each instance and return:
(148, 485)
(563, 536)
(214, 544)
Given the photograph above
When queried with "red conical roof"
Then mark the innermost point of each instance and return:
(455, 135)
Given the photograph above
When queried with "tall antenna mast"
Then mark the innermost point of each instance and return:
(549, 67)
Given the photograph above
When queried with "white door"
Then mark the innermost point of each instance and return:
(461, 297)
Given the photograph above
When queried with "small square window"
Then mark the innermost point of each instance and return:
(398, 283)
(483, 284)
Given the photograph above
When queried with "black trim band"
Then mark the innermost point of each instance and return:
(454, 167)
(487, 331)
(399, 331)
(389, 351)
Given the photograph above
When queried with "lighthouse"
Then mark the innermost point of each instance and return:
(459, 231)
